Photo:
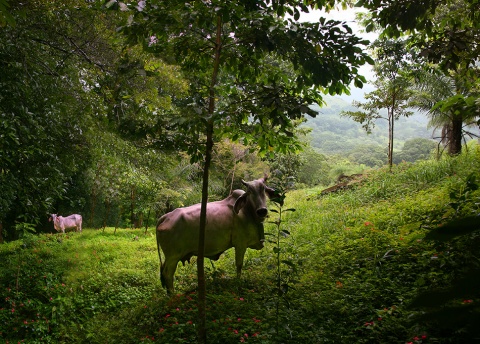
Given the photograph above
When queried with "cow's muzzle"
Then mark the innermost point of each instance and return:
(262, 212)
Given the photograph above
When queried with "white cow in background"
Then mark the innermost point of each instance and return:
(71, 221)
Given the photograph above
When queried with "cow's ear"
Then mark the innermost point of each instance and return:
(240, 203)
(265, 177)
(270, 192)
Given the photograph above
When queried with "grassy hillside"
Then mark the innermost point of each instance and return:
(360, 266)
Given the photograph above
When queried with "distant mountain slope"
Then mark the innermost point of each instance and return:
(335, 134)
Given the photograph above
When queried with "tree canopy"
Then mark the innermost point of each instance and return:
(271, 66)
(446, 31)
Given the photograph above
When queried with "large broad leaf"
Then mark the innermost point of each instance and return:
(463, 288)
(455, 228)
(5, 16)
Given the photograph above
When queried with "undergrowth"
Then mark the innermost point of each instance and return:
(362, 258)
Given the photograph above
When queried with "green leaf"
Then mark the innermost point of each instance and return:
(296, 16)
(289, 263)
(455, 228)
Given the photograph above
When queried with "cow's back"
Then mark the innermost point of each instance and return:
(178, 230)
(189, 216)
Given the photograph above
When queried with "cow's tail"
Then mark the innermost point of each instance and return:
(162, 279)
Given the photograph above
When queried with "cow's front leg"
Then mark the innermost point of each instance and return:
(239, 255)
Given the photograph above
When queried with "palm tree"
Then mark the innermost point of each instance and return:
(445, 99)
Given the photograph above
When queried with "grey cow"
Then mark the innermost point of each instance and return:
(61, 223)
(236, 221)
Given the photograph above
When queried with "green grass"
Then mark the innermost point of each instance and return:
(356, 262)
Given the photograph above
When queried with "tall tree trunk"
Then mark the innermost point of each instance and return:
(446, 134)
(455, 139)
(119, 215)
(107, 212)
(92, 208)
(146, 221)
(132, 207)
(233, 177)
(391, 121)
(202, 332)
(138, 220)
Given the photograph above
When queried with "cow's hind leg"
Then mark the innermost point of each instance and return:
(239, 255)
(162, 278)
(167, 273)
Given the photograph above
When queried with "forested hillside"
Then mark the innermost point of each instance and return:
(335, 134)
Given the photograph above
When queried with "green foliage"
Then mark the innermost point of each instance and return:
(415, 149)
(87, 123)
(5, 16)
(285, 267)
(456, 298)
(461, 194)
(77, 113)
(369, 155)
(450, 102)
(42, 136)
(447, 36)
(447, 41)
(314, 168)
(50, 288)
(230, 161)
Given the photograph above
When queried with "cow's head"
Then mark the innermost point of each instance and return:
(56, 221)
(255, 199)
